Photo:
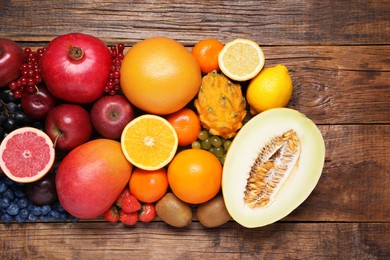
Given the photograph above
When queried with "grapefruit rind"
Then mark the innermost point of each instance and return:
(244, 149)
(127, 140)
(41, 173)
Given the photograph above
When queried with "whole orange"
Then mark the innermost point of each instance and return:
(186, 124)
(206, 53)
(159, 75)
(195, 175)
(148, 186)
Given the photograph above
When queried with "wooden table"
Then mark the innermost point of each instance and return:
(338, 53)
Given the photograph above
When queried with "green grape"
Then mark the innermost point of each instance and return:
(212, 150)
(227, 144)
(206, 144)
(222, 159)
(216, 141)
(218, 151)
(196, 145)
(203, 135)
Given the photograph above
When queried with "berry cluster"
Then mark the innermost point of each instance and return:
(113, 84)
(12, 115)
(30, 73)
(14, 206)
(128, 210)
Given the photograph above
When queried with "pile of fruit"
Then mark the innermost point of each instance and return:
(155, 130)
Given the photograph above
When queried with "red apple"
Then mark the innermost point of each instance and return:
(37, 105)
(11, 58)
(110, 115)
(68, 125)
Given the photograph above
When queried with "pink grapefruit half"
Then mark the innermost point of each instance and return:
(26, 154)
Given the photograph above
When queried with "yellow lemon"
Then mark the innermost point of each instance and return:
(271, 88)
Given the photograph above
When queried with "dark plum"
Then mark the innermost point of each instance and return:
(43, 191)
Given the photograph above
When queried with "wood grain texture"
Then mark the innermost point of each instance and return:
(283, 22)
(99, 240)
(338, 84)
(356, 176)
(338, 54)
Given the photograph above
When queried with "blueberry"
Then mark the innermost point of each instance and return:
(3, 187)
(57, 206)
(4, 202)
(54, 215)
(35, 210)
(44, 218)
(13, 209)
(45, 209)
(19, 193)
(23, 203)
(8, 182)
(63, 216)
(9, 194)
(32, 217)
(6, 218)
(22, 216)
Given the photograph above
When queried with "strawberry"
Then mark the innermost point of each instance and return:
(125, 193)
(130, 204)
(129, 219)
(147, 213)
(112, 214)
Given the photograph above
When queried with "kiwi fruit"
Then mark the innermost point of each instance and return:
(213, 213)
(174, 211)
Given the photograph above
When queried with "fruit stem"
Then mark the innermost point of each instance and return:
(76, 53)
(56, 140)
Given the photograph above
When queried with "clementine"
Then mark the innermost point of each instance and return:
(148, 186)
(206, 53)
(195, 175)
(159, 75)
(186, 124)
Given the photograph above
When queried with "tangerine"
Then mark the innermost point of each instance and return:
(186, 124)
(159, 75)
(206, 53)
(195, 175)
(148, 186)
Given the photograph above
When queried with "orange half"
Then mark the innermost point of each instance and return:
(149, 142)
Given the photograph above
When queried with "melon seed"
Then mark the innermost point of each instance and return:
(275, 162)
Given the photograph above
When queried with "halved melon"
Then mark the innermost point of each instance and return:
(272, 166)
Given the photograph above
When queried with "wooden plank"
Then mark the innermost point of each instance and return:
(355, 180)
(269, 23)
(338, 84)
(158, 241)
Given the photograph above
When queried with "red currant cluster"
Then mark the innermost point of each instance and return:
(113, 84)
(30, 73)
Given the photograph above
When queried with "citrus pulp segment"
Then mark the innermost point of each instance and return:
(241, 59)
(149, 142)
(26, 154)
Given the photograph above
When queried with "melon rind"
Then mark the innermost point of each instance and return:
(244, 150)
